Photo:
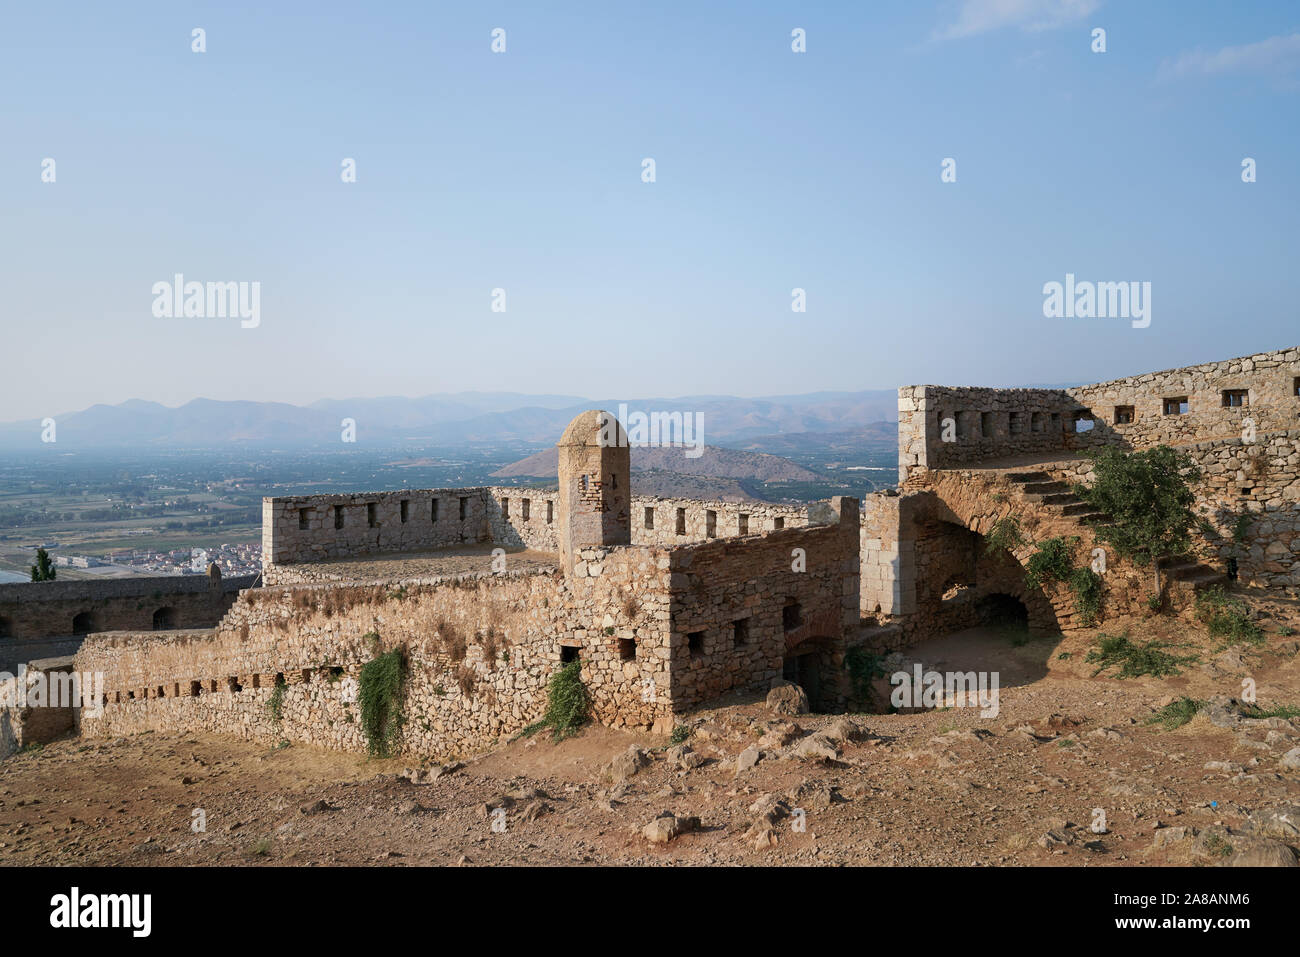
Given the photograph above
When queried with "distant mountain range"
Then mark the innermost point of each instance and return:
(454, 419)
(713, 462)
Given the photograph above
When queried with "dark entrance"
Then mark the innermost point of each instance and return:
(804, 669)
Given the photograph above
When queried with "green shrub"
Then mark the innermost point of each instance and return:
(1051, 562)
(568, 704)
(1005, 534)
(1135, 659)
(1176, 713)
(379, 694)
(275, 706)
(1228, 617)
(1285, 711)
(1086, 585)
(1149, 499)
(863, 668)
(680, 733)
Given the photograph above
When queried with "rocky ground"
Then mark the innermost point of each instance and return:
(748, 786)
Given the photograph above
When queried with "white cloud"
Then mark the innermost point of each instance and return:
(1279, 54)
(981, 16)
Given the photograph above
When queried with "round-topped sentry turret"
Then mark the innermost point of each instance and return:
(595, 485)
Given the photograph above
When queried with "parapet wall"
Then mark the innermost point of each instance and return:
(1196, 404)
(40, 619)
(481, 649)
(313, 528)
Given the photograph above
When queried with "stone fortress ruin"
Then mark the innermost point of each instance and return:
(670, 604)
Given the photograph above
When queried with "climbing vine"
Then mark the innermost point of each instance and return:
(379, 693)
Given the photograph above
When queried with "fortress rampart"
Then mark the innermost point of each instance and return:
(657, 630)
(45, 619)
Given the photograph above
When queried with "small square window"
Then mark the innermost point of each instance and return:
(1235, 398)
(778, 523)
(1176, 405)
(1124, 415)
(695, 642)
(1083, 422)
(627, 649)
(568, 654)
(740, 632)
(791, 616)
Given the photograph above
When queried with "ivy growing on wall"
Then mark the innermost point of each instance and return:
(379, 693)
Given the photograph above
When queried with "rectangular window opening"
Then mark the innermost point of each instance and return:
(627, 649)
(1124, 414)
(681, 521)
(649, 516)
(404, 509)
(1236, 398)
(338, 516)
(695, 642)
(371, 519)
(744, 523)
(710, 523)
(1176, 405)
(304, 519)
(740, 632)
(433, 511)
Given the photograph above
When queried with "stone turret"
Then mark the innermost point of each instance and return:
(595, 486)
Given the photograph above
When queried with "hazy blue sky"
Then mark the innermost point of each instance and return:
(522, 170)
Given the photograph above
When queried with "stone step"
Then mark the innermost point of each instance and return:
(1078, 509)
(1055, 498)
(1095, 518)
(1044, 488)
(1021, 477)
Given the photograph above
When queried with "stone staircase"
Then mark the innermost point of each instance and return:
(1054, 495)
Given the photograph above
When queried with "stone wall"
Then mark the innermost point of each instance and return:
(39, 619)
(1256, 484)
(300, 529)
(480, 651)
(743, 607)
(887, 558)
(1174, 407)
(481, 648)
(28, 721)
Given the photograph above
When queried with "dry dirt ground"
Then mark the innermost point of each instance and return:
(940, 787)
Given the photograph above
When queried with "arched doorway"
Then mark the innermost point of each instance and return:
(83, 623)
(164, 618)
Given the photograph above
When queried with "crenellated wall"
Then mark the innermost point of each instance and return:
(1174, 407)
(45, 619)
(482, 648)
